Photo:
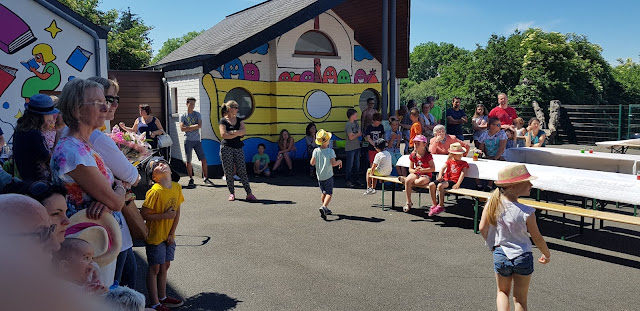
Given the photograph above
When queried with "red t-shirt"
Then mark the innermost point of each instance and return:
(454, 169)
(421, 161)
(506, 116)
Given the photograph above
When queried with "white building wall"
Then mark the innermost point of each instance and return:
(187, 86)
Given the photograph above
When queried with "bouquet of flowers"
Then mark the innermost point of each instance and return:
(134, 146)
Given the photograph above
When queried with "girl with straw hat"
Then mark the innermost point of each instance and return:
(451, 176)
(504, 226)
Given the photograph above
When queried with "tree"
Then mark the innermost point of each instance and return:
(128, 42)
(173, 43)
(427, 58)
(627, 73)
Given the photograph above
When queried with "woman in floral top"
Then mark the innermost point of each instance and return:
(75, 163)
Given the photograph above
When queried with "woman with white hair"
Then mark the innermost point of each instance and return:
(440, 143)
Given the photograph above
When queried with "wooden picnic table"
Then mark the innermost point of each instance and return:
(620, 146)
(607, 186)
(569, 158)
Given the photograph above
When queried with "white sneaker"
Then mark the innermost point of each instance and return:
(370, 191)
(224, 177)
(236, 177)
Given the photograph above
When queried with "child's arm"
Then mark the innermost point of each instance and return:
(431, 168)
(147, 214)
(541, 141)
(484, 223)
(373, 167)
(461, 178)
(440, 175)
(527, 140)
(171, 239)
(538, 240)
(312, 162)
(335, 162)
(412, 167)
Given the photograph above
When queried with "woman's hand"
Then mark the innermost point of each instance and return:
(95, 210)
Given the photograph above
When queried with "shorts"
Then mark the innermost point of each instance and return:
(521, 265)
(326, 186)
(161, 253)
(376, 172)
(449, 186)
(193, 145)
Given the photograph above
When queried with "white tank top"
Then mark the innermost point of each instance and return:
(510, 231)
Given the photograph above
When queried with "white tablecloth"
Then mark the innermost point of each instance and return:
(616, 187)
(599, 161)
(619, 143)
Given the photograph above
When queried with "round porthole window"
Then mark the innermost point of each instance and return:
(244, 100)
(318, 105)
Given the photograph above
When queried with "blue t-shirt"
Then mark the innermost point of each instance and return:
(536, 139)
(190, 119)
(492, 142)
(395, 148)
(455, 129)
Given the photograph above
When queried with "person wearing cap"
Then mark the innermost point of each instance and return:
(451, 176)
(324, 159)
(506, 226)
(30, 150)
(161, 210)
(381, 166)
(420, 168)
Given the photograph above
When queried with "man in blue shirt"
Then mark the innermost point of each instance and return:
(455, 118)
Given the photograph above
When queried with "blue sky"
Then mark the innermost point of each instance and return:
(612, 24)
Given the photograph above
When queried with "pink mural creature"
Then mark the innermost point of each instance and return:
(251, 71)
(317, 71)
(306, 76)
(330, 75)
(361, 76)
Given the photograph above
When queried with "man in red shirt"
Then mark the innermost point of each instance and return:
(504, 112)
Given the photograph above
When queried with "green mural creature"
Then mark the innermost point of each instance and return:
(344, 77)
(49, 79)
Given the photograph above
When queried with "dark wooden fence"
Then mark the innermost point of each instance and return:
(139, 87)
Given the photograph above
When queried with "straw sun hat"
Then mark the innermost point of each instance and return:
(322, 137)
(103, 234)
(513, 174)
(456, 148)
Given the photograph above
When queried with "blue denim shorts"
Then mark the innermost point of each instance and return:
(161, 253)
(326, 186)
(522, 265)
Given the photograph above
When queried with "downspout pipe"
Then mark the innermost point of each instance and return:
(80, 25)
(385, 57)
(392, 60)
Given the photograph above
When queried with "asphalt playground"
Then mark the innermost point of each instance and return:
(278, 254)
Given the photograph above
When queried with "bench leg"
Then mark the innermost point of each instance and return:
(593, 220)
(393, 196)
(383, 197)
(635, 210)
(475, 216)
(564, 220)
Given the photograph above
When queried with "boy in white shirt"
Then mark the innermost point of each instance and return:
(381, 166)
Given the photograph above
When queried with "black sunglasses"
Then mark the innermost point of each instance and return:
(156, 163)
(44, 234)
(112, 99)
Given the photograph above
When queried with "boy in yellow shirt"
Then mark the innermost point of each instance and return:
(161, 210)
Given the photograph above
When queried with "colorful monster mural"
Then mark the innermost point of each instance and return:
(251, 72)
(232, 68)
(361, 76)
(359, 53)
(344, 77)
(285, 76)
(306, 76)
(262, 50)
(317, 70)
(330, 75)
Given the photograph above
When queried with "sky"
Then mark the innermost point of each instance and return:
(612, 24)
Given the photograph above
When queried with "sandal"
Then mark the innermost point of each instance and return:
(407, 207)
(232, 197)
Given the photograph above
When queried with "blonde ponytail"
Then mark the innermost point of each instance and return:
(493, 206)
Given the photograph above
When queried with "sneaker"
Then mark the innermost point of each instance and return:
(350, 184)
(436, 210)
(369, 191)
(171, 302)
(328, 211)
(323, 213)
(161, 307)
(236, 177)
(191, 183)
(251, 197)
(208, 181)
(232, 197)
(432, 209)
(224, 177)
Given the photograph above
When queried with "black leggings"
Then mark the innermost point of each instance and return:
(234, 157)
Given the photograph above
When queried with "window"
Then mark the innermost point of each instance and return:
(369, 93)
(315, 43)
(174, 99)
(317, 106)
(244, 100)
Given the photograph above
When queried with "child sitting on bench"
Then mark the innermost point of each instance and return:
(381, 165)
(420, 168)
(450, 176)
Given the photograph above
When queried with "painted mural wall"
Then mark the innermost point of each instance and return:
(287, 91)
(39, 52)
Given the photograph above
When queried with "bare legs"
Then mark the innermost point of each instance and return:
(520, 291)
(411, 180)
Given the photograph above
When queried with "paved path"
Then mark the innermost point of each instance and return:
(280, 255)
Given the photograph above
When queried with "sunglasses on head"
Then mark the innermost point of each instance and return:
(44, 234)
(39, 189)
(156, 163)
(112, 99)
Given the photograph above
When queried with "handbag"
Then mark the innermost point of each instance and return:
(137, 227)
(164, 141)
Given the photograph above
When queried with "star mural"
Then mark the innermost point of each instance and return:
(53, 29)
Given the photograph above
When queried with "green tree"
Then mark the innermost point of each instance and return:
(128, 42)
(173, 43)
(426, 59)
(627, 73)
